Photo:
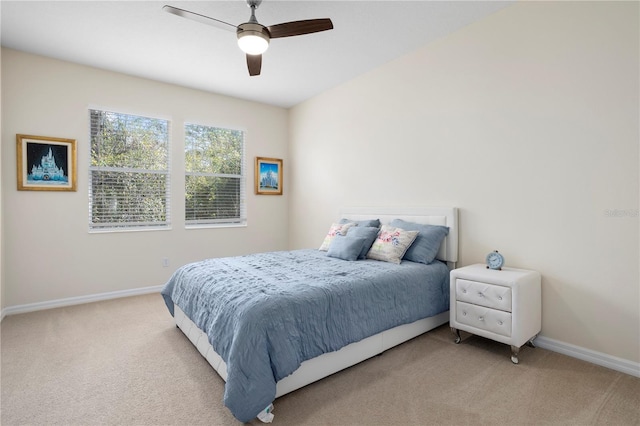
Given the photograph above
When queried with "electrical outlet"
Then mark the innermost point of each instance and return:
(165, 262)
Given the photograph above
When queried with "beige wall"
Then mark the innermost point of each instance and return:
(528, 122)
(48, 252)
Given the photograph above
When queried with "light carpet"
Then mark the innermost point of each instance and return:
(123, 362)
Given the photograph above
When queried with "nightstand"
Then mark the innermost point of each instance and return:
(502, 305)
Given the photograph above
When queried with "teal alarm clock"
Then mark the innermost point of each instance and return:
(495, 260)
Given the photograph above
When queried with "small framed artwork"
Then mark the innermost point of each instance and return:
(46, 164)
(268, 176)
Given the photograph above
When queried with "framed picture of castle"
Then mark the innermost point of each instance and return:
(46, 164)
(268, 176)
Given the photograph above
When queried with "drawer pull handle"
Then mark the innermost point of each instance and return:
(499, 297)
(480, 294)
(481, 318)
(464, 314)
(499, 322)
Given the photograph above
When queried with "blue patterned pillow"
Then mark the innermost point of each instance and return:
(425, 248)
(345, 248)
(368, 232)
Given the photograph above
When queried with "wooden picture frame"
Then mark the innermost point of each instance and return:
(45, 163)
(268, 176)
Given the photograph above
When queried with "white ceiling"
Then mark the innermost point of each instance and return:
(140, 39)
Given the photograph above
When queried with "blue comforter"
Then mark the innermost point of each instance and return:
(266, 313)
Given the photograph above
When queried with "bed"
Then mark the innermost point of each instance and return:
(310, 315)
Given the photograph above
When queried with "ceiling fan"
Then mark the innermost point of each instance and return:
(253, 37)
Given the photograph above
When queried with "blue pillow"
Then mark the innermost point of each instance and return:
(368, 222)
(369, 233)
(425, 248)
(345, 248)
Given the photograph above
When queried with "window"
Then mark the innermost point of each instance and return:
(215, 177)
(129, 172)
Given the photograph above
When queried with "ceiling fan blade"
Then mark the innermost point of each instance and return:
(295, 28)
(199, 18)
(254, 63)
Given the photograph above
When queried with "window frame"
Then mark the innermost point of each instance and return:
(241, 220)
(133, 226)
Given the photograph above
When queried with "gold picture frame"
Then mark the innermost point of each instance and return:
(268, 176)
(45, 163)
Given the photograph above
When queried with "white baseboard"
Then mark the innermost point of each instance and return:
(58, 303)
(598, 358)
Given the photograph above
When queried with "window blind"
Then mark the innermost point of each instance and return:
(129, 173)
(214, 176)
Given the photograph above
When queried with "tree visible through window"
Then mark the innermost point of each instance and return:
(129, 171)
(214, 181)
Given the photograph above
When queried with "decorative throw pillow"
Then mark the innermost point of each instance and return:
(368, 232)
(346, 248)
(391, 244)
(336, 228)
(367, 222)
(425, 248)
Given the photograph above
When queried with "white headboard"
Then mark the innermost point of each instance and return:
(445, 216)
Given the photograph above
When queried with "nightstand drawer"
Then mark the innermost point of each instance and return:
(483, 294)
(483, 318)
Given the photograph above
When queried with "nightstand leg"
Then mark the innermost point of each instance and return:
(456, 335)
(530, 342)
(514, 354)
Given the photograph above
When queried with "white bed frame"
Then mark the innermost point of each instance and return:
(329, 363)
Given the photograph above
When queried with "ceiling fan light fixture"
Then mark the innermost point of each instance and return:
(253, 39)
